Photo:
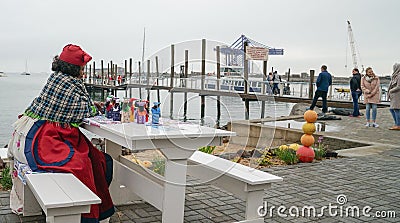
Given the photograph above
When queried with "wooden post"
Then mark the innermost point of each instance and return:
(263, 88)
(125, 77)
(90, 73)
(301, 90)
(140, 89)
(112, 73)
(310, 89)
(102, 72)
(116, 76)
(185, 93)
(203, 75)
(246, 89)
(108, 73)
(218, 87)
(171, 84)
(130, 77)
(94, 72)
(158, 76)
(288, 75)
(148, 83)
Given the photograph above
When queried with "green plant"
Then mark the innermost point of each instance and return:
(265, 158)
(159, 165)
(207, 149)
(6, 181)
(287, 155)
(320, 150)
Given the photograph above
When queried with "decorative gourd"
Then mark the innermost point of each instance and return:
(310, 116)
(309, 128)
(305, 154)
(307, 140)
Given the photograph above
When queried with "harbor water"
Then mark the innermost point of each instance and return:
(17, 92)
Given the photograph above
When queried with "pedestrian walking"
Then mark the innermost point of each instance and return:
(324, 80)
(394, 96)
(370, 86)
(276, 79)
(356, 92)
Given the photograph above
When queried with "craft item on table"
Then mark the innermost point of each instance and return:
(141, 112)
(155, 113)
(125, 110)
(116, 110)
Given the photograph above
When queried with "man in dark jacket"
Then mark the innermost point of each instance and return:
(324, 80)
(355, 87)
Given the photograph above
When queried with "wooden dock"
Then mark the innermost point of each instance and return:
(243, 96)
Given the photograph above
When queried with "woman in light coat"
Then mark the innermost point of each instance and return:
(394, 96)
(370, 87)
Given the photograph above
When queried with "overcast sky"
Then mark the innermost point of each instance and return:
(312, 32)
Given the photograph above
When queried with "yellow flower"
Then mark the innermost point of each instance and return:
(283, 147)
(294, 146)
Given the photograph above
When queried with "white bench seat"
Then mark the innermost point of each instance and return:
(244, 182)
(61, 196)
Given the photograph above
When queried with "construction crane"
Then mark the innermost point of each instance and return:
(353, 47)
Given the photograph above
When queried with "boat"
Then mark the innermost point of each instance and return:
(26, 69)
(231, 71)
(235, 84)
(232, 80)
(2, 74)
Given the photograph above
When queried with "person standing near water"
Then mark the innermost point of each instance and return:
(370, 86)
(394, 96)
(356, 92)
(324, 80)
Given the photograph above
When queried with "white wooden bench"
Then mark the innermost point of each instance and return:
(61, 196)
(244, 182)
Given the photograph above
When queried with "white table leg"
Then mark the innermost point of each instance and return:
(174, 191)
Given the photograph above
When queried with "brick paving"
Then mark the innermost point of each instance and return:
(372, 180)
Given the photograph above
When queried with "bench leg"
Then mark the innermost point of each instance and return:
(119, 193)
(253, 202)
(174, 191)
(31, 206)
(64, 219)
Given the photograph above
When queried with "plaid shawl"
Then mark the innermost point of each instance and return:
(63, 99)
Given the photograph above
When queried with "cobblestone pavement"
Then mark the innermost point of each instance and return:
(365, 181)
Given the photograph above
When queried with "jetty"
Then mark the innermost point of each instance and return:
(114, 79)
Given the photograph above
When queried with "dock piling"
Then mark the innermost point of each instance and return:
(218, 83)
(203, 75)
(310, 89)
(185, 94)
(171, 107)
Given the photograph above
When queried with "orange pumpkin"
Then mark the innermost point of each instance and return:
(307, 140)
(310, 116)
(309, 128)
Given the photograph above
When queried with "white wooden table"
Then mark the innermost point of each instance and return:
(176, 141)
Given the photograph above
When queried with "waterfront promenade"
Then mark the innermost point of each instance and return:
(366, 178)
